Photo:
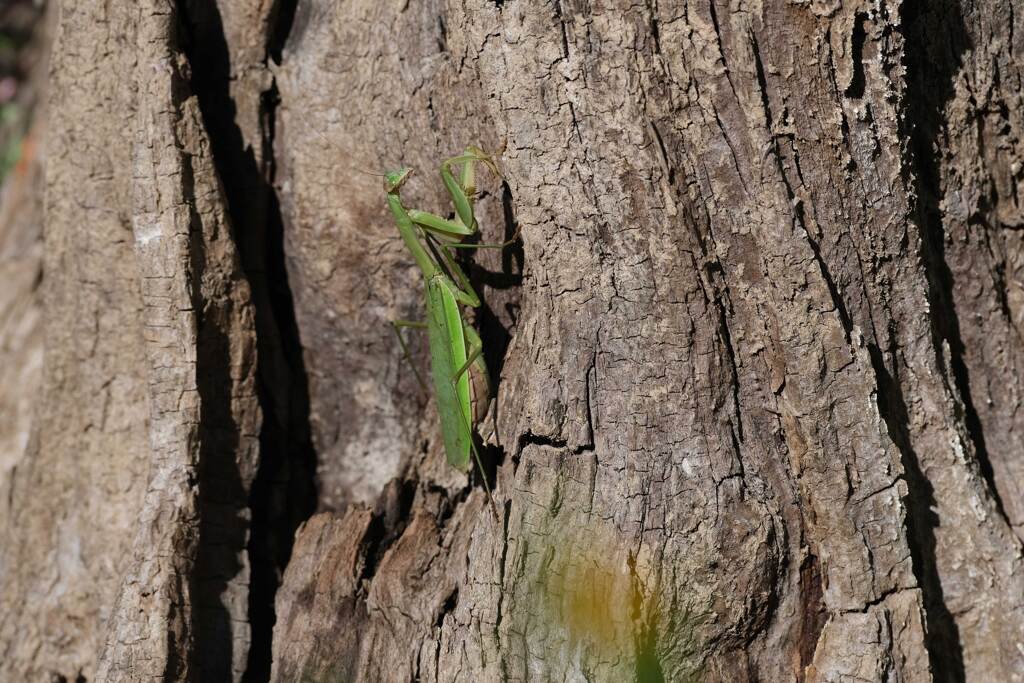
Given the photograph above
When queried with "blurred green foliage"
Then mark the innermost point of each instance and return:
(18, 54)
(10, 143)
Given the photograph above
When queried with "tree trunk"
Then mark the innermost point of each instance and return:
(758, 356)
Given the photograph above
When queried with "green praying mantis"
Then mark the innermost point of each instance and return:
(459, 374)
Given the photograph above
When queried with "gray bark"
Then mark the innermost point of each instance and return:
(757, 355)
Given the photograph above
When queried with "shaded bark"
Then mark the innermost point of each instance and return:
(756, 355)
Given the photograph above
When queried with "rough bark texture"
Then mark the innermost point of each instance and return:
(21, 348)
(758, 356)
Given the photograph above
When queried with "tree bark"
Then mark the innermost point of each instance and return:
(757, 356)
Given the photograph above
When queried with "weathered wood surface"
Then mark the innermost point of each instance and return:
(21, 238)
(127, 544)
(758, 351)
(736, 372)
(21, 334)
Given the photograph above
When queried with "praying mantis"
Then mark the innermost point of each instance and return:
(459, 374)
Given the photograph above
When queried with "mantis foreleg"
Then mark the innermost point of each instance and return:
(462, 192)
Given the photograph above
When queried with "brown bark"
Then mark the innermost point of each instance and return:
(757, 355)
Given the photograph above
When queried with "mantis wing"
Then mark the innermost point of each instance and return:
(447, 355)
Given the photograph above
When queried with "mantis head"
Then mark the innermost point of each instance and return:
(393, 179)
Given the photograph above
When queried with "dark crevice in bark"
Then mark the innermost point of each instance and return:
(762, 80)
(220, 538)
(390, 519)
(218, 479)
(844, 124)
(723, 324)
(718, 34)
(855, 90)
(942, 636)
(497, 335)
(936, 39)
(449, 605)
(813, 613)
(800, 220)
(670, 171)
(60, 678)
(391, 516)
(590, 391)
(499, 290)
(176, 656)
(830, 283)
(565, 33)
(970, 415)
(652, 8)
(282, 17)
(998, 269)
(448, 503)
(532, 439)
(491, 458)
(503, 563)
(283, 492)
(875, 602)
(442, 34)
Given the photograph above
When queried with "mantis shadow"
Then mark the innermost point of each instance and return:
(498, 314)
(499, 292)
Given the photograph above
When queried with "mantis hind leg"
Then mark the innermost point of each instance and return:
(480, 467)
(395, 325)
(474, 356)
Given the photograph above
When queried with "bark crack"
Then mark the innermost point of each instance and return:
(936, 40)
(801, 220)
(762, 80)
(855, 90)
(813, 613)
(565, 34)
(942, 635)
(390, 519)
(283, 492)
